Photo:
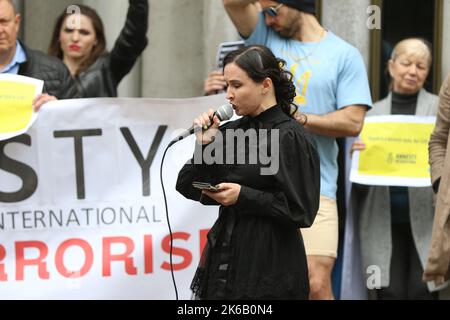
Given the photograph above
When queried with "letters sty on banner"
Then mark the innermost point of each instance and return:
(16, 112)
(81, 206)
(396, 151)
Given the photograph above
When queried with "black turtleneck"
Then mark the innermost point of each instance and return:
(404, 103)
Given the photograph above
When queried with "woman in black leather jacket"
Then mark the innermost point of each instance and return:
(79, 40)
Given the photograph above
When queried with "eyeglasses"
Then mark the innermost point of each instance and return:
(273, 11)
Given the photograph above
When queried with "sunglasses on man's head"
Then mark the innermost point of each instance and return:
(273, 11)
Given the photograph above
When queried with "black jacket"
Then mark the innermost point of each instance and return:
(56, 76)
(102, 78)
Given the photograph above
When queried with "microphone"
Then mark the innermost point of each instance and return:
(224, 112)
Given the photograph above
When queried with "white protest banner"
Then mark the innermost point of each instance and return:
(82, 213)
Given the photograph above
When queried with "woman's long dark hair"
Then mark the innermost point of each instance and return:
(260, 63)
(99, 49)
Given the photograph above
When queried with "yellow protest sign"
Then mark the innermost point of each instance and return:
(396, 151)
(16, 96)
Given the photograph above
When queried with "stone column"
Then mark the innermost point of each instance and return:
(184, 36)
(39, 19)
(218, 28)
(173, 62)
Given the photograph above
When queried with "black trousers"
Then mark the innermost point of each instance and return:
(406, 269)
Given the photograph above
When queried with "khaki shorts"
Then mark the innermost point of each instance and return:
(321, 239)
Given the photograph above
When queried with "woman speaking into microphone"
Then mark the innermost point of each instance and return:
(254, 249)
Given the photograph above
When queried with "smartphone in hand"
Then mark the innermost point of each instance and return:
(205, 186)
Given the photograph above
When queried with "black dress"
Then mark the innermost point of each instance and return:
(254, 249)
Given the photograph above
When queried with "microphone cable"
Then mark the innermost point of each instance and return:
(168, 221)
(224, 112)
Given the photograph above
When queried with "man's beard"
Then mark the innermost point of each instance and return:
(286, 33)
(289, 31)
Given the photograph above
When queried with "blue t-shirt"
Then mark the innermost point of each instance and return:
(19, 57)
(329, 75)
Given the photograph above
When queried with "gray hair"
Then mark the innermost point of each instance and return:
(416, 46)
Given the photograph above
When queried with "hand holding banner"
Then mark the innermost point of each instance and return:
(396, 152)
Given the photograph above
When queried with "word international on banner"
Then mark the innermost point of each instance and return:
(82, 213)
(396, 152)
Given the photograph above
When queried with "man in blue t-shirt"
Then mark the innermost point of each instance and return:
(333, 96)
